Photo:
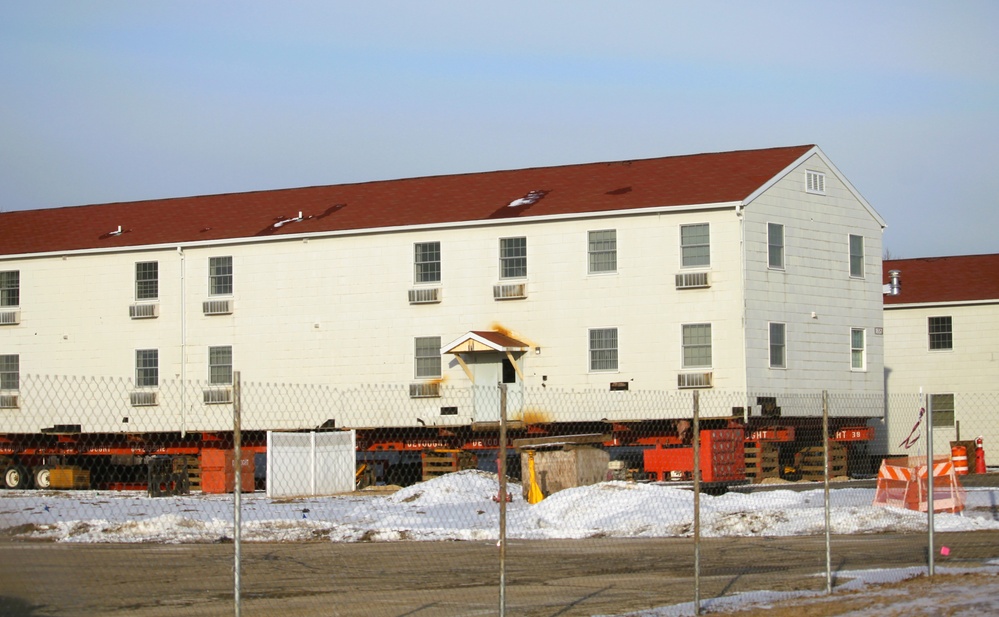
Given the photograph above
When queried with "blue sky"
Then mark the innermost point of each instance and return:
(120, 101)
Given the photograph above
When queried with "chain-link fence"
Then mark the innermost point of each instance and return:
(200, 499)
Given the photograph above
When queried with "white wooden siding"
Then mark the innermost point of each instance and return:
(335, 311)
(968, 370)
(815, 279)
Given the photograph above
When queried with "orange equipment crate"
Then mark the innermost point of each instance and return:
(218, 475)
(722, 457)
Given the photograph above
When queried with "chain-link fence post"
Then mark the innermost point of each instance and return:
(501, 469)
(825, 476)
(929, 483)
(237, 445)
(697, 502)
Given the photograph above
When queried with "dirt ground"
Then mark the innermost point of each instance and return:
(544, 579)
(940, 596)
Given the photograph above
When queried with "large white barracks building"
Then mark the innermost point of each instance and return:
(755, 270)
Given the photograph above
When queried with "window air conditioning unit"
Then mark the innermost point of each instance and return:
(424, 295)
(693, 380)
(143, 398)
(217, 396)
(424, 390)
(217, 307)
(512, 291)
(144, 311)
(692, 280)
(9, 401)
(10, 318)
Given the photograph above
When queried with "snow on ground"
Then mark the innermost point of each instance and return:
(461, 506)
(955, 592)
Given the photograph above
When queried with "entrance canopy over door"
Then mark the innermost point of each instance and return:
(488, 359)
(479, 341)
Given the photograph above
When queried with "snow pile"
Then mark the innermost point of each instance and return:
(463, 506)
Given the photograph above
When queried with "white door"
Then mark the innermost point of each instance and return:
(490, 370)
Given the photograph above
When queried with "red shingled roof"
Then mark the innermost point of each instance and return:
(965, 278)
(499, 339)
(594, 187)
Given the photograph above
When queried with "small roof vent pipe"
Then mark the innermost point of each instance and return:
(894, 286)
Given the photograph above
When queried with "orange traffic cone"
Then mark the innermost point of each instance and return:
(959, 456)
(534, 494)
(979, 456)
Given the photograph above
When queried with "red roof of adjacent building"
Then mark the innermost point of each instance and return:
(570, 189)
(964, 278)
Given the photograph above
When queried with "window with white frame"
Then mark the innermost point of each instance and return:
(10, 288)
(147, 368)
(513, 258)
(220, 365)
(941, 332)
(942, 408)
(220, 276)
(428, 357)
(602, 249)
(697, 345)
(856, 256)
(695, 245)
(778, 345)
(427, 262)
(815, 182)
(775, 246)
(10, 372)
(858, 349)
(147, 280)
(603, 349)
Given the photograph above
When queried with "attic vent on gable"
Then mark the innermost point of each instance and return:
(528, 200)
(815, 182)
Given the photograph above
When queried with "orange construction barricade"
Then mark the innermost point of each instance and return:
(905, 484)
